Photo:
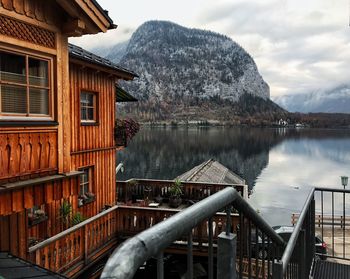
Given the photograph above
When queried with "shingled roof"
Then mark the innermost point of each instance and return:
(84, 55)
(211, 171)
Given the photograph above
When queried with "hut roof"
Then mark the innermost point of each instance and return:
(123, 96)
(211, 171)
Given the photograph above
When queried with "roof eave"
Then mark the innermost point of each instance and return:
(120, 74)
(91, 13)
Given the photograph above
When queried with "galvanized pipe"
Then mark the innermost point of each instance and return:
(294, 237)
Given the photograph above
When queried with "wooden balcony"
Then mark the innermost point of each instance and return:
(70, 251)
(27, 154)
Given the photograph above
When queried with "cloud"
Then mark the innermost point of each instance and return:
(296, 50)
(104, 40)
(299, 46)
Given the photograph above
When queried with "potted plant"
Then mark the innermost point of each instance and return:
(65, 212)
(175, 192)
(77, 218)
(36, 217)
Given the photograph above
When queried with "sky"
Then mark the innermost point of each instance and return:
(299, 46)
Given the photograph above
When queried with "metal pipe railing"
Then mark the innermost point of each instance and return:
(295, 235)
(131, 254)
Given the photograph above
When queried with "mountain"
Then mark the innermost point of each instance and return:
(186, 72)
(114, 53)
(336, 100)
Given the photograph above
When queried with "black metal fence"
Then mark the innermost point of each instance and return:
(298, 256)
(332, 223)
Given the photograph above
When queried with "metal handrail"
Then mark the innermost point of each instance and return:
(334, 190)
(294, 237)
(127, 258)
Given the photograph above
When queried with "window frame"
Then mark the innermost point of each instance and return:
(50, 88)
(94, 121)
(89, 180)
(90, 188)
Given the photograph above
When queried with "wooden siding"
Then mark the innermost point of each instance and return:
(24, 198)
(101, 134)
(14, 229)
(25, 153)
(103, 182)
(93, 145)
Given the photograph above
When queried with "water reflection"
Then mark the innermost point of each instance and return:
(280, 165)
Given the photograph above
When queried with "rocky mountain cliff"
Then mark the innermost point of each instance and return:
(336, 100)
(186, 72)
(175, 61)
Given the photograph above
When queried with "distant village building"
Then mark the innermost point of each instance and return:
(282, 122)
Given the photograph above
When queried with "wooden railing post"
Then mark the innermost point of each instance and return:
(85, 236)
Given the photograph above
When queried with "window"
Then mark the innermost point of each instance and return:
(87, 106)
(24, 85)
(85, 191)
(84, 182)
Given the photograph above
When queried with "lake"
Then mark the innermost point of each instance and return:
(279, 165)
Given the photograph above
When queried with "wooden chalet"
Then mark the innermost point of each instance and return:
(57, 114)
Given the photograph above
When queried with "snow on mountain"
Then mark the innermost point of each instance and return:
(175, 61)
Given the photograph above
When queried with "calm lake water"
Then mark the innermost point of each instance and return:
(279, 165)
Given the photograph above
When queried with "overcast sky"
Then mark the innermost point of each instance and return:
(299, 45)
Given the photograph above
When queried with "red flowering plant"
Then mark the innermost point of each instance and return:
(125, 130)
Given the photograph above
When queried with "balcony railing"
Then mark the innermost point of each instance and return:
(203, 228)
(71, 249)
(27, 154)
(254, 247)
(251, 227)
(150, 189)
